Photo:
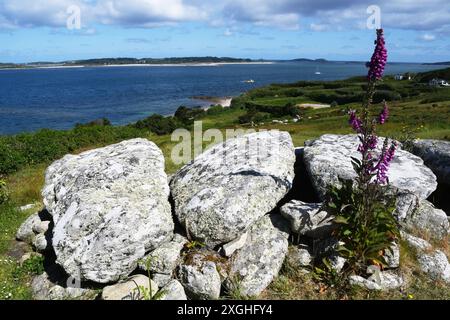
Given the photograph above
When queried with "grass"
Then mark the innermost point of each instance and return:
(295, 284)
(410, 117)
(14, 278)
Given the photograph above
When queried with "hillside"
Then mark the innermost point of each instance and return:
(441, 74)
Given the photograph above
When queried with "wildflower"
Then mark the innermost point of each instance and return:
(379, 58)
(372, 142)
(384, 114)
(354, 121)
(384, 162)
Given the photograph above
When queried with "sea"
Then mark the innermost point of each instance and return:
(59, 98)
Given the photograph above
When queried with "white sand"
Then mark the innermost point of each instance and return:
(313, 105)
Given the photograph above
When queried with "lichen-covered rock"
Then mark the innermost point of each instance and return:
(255, 265)
(386, 280)
(161, 279)
(430, 220)
(328, 158)
(229, 187)
(164, 259)
(300, 256)
(109, 207)
(415, 242)
(41, 227)
(40, 243)
(436, 155)
(392, 256)
(25, 232)
(435, 264)
(308, 219)
(173, 291)
(232, 246)
(44, 289)
(135, 288)
(201, 280)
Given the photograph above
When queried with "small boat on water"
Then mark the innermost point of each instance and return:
(249, 81)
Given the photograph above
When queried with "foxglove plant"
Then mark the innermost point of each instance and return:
(364, 209)
(371, 166)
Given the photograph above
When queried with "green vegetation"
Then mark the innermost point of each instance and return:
(24, 157)
(366, 224)
(295, 283)
(4, 193)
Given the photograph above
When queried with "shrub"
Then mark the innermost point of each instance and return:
(48, 145)
(364, 243)
(158, 124)
(334, 104)
(98, 122)
(32, 266)
(4, 192)
(187, 115)
(215, 110)
(381, 95)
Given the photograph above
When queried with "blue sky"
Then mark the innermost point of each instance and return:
(36, 30)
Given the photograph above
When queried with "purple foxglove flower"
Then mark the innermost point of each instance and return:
(382, 118)
(372, 142)
(383, 164)
(354, 121)
(379, 58)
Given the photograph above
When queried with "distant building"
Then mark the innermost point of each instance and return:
(438, 83)
(406, 76)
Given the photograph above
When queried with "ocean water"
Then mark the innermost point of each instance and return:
(59, 98)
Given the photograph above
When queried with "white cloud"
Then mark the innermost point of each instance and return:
(227, 33)
(427, 37)
(318, 27)
(31, 13)
(146, 13)
(430, 16)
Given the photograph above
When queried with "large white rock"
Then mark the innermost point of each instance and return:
(308, 219)
(383, 281)
(43, 288)
(329, 158)
(435, 264)
(429, 219)
(138, 287)
(25, 232)
(417, 243)
(200, 279)
(164, 259)
(173, 291)
(229, 187)
(300, 256)
(255, 265)
(109, 206)
(436, 155)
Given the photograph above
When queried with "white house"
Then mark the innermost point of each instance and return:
(398, 77)
(438, 83)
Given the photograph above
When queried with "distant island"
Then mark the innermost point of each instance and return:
(445, 63)
(180, 61)
(131, 61)
(309, 60)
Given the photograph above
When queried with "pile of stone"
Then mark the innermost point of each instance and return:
(117, 228)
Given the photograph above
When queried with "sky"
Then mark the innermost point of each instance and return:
(59, 30)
